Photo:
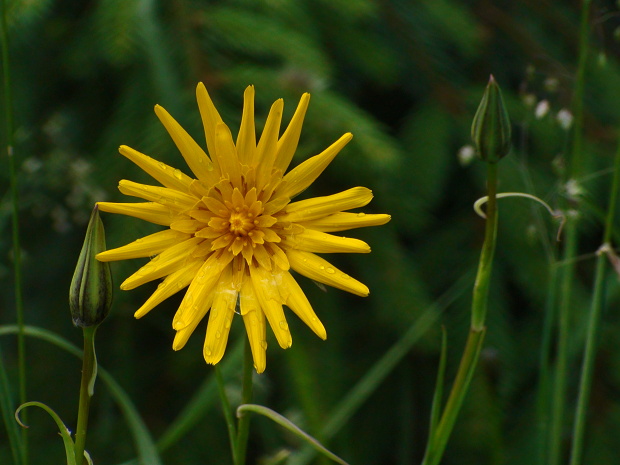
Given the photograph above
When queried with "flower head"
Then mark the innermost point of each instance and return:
(90, 294)
(234, 235)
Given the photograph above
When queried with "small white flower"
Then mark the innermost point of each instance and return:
(541, 109)
(466, 154)
(565, 118)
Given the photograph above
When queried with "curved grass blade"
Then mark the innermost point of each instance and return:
(62, 429)
(289, 425)
(145, 446)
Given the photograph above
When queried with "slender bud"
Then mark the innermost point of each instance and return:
(90, 296)
(490, 130)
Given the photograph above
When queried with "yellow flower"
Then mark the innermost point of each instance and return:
(234, 234)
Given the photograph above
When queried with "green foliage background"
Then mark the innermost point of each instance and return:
(405, 77)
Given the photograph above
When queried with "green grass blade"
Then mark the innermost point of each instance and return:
(438, 395)
(145, 446)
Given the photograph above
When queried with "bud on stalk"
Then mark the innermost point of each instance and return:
(490, 130)
(90, 295)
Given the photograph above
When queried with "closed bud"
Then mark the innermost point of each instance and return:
(90, 296)
(490, 130)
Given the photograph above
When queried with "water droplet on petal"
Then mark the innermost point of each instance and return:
(178, 174)
(330, 270)
(208, 352)
(283, 325)
(162, 165)
(218, 334)
(228, 321)
(139, 240)
(263, 344)
(321, 267)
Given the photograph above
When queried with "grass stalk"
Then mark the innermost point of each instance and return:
(10, 144)
(587, 367)
(567, 271)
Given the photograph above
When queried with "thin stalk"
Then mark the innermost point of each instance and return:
(228, 416)
(543, 410)
(587, 367)
(17, 262)
(567, 272)
(243, 428)
(89, 369)
(10, 143)
(439, 438)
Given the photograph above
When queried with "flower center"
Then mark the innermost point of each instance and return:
(241, 222)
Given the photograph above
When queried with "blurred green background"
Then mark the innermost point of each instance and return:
(405, 77)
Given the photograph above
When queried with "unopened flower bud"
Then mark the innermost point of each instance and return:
(90, 296)
(490, 130)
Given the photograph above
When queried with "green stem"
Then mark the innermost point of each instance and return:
(243, 430)
(10, 143)
(89, 371)
(570, 249)
(587, 367)
(228, 416)
(439, 438)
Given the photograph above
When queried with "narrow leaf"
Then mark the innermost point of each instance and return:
(438, 395)
(284, 422)
(64, 432)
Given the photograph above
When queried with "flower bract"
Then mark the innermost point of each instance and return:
(234, 234)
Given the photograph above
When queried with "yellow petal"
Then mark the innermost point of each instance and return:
(147, 211)
(320, 242)
(172, 198)
(343, 221)
(194, 155)
(182, 335)
(266, 288)
(257, 334)
(226, 154)
(289, 140)
(167, 175)
(144, 247)
(210, 119)
(254, 320)
(246, 140)
(306, 173)
(200, 288)
(220, 319)
(314, 267)
(163, 264)
(267, 146)
(317, 207)
(173, 283)
(187, 226)
(298, 302)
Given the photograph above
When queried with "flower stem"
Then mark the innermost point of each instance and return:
(89, 370)
(243, 429)
(593, 324)
(230, 421)
(439, 438)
